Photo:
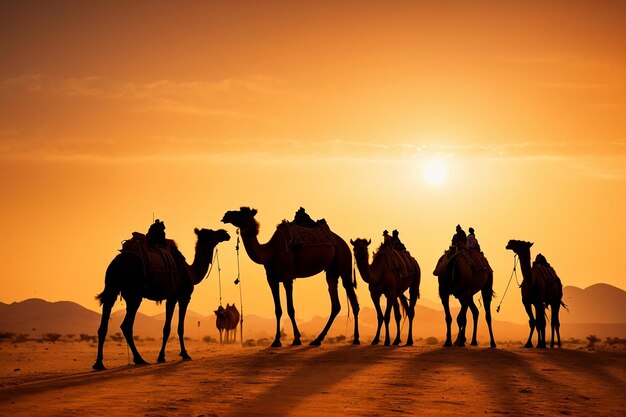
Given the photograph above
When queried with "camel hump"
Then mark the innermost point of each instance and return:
(297, 236)
(161, 277)
(547, 273)
(400, 261)
(478, 260)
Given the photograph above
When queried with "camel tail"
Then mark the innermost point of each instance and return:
(404, 303)
(107, 295)
(565, 306)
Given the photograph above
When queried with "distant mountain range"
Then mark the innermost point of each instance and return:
(599, 309)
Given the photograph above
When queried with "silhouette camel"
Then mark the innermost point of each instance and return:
(125, 275)
(458, 277)
(227, 319)
(284, 264)
(539, 289)
(382, 279)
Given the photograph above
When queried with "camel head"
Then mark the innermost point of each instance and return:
(360, 248)
(242, 218)
(220, 311)
(519, 246)
(208, 237)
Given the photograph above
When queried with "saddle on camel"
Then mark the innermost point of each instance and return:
(304, 231)
(160, 257)
(460, 248)
(398, 258)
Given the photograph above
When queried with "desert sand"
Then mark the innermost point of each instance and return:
(55, 379)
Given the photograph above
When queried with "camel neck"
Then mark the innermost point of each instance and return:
(201, 262)
(257, 252)
(364, 269)
(524, 263)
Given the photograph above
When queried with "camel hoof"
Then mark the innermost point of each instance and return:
(98, 366)
(493, 344)
(296, 342)
(528, 345)
(139, 361)
(161, 359)
(387, 342)
(409, 343)
(316, 342)
(276, 344)
(356, 342)
(375, 342)
(185, 356)
(474, 343)
(541, 346)
(447, 344)
(396, 342)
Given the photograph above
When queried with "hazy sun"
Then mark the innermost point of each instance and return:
(435, 172)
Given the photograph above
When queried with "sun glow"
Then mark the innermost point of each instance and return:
(435, 172)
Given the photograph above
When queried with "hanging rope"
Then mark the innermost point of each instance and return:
(514, 272)
(238, 282)
(219, 274)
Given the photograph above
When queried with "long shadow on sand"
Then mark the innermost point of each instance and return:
(314, 375)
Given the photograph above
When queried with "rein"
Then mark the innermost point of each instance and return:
(514, 272)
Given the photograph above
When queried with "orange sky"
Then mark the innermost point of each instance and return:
(112, 111)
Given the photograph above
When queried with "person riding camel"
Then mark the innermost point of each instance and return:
(395, 241)
(156, 234)
(472, 242)
(459, 240)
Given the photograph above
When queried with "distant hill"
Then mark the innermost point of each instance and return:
(599, 309)
(37, 317)
(599, 303)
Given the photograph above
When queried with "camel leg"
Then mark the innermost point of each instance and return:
(221, 330)
(169, 312)
(182, 312)
(335, 308)
(445, 301)
(398, 317)
(541, 325)
(556, 324)
(475, 314)
(487, 294)
(388, 307)
(379, 317)
(132, 305)
(461, 320)
(102, 332)
(278, 311)
(531, 324)
(354, 304)
(291, 311)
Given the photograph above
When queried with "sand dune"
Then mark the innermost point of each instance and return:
(304, 381)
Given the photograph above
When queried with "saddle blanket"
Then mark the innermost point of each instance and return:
(300, 236)
(160, 270)
(478, 260)
(400, 261)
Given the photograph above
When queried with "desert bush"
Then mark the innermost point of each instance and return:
(7, 336)
(51, 337)
(209, 339)
(117, 337)
(70, 336)
(249, 343)
(593, 339)
(430, 341)
(611, 341)
(263, 341)
(341, 338)
(21, 338)
(150, 339)
(87, 338)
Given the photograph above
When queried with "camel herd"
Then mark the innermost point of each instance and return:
(391, 273)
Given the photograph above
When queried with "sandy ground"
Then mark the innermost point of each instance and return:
(56, 380)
